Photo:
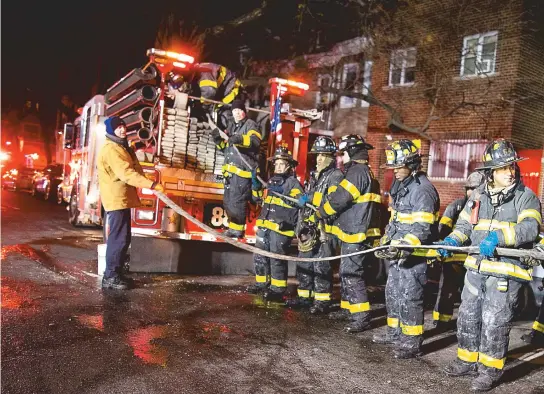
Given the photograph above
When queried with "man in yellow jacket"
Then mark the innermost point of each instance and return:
(119, 174)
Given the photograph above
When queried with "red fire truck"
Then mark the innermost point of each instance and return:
(176, 150)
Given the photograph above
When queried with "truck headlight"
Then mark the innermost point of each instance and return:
(145, 215)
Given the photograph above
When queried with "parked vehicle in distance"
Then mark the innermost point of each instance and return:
(8, 179)
(46, 182)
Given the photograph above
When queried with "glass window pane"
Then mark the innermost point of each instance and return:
(438, 157)
(411, 58)
(395, 77)
(490, 39)
(471, 47)
(409, 75)
(470, 66)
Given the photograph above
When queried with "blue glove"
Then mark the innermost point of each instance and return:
(303, 200)
(275, 188)
(489, 244)
(255, 183)
(447, 242)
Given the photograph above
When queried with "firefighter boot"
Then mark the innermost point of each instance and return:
(298, 303)
(271, 295)
(483, 382)
(535, 338)
(406, 353)
(359, 322)
(234, 233)
(460, 368)
(256, 288)
(320, 308)
(115, 282)
(388, 338)
(342, 314)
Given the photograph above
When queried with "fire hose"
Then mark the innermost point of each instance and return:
(506, 252)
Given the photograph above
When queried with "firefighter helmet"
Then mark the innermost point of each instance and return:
(499, 153)
(474, 180)
(402, 153)
(325, 145)
(307, 237)
(283, 153)
(351, 141)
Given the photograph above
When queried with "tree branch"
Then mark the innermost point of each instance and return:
(248, 17)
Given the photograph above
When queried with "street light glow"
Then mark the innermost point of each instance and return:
(4, 156)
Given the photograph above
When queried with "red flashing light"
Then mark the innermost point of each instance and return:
(8, 142)
(179, 65)
(80, 110)
(288, 82)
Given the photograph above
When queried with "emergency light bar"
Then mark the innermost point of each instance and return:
(288, 82)
(180, 57)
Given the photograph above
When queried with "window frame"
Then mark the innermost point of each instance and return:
(465, 142)
(402, 68)
(479, 53)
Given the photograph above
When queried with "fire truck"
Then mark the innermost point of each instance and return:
(175, 149)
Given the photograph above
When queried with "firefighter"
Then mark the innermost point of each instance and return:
(501, 213)
(315, 279)
(119, 174)
(352, 207)
(275, 225)
(414, 213)
(451, 269)
(536, 335)
(243, 143)
(217, 82)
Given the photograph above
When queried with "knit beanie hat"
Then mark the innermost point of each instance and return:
(113, 123)
(239, 104)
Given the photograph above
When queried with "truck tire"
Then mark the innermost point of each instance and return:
(73, 211)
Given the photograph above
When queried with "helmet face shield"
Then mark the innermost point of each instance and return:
(402, 153)
(324, 144)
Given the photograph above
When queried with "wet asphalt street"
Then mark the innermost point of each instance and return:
(173, 334)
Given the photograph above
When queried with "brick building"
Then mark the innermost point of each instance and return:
(457, 73)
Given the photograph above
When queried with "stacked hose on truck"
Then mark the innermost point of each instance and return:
(133, 98)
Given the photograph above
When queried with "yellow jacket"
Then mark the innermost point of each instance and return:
(119, 174)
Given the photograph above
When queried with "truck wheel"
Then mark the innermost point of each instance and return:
(73, 211)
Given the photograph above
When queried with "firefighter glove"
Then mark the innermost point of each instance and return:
(302, 200)
(236, 139)
(255, 183)
(489, 244)
(448, 241)
(275, 188)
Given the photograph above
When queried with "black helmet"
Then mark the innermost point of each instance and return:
(499, 153)
(402, 153)
(324, 144)
(353, 141)
(283, 153)
(474, 180)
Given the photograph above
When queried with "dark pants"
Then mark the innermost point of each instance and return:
(451, 280)
(483, 326)
(315, 278)
(118, 241)
(353, 286)
(237, 194)
(271, 272)
(538, 325)
(404, 301)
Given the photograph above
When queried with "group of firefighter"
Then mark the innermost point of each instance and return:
(338, 211)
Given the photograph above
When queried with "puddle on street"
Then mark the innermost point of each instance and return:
(17, 295)
(141, 342)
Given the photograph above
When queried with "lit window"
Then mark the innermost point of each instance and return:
(402, 69)
(479, 54)
(323, 99)
(455, 159)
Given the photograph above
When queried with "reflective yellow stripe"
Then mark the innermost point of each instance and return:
(348, 238)
(498, 267)
(414, 217)
(464, 215)
(538, 326)
(351, 189)
(462, 237)
(332, 189)
(489, 361)
(246, 140)
(278, 283)
(237, 171)
(344, 304)
(322, 296)
(373, 232)
(530, 213)
(274, 227)
(441, 316)
(207, 82)
(329, 210)
(467, 355)
(257, 193)
(424, 217)
(362, 307)
(222, 75)
(255, 133)
(260, 278)
(303, 293)
(295, 193)
(411, 330)
(239, 227)
(486, 225)
(456, 258)
(369, 197)
(230, 97)
(393, 322)
(446, 221)
(277, 201)
(317, 198)
(222, 145)
(509, 236)
(412, 239)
